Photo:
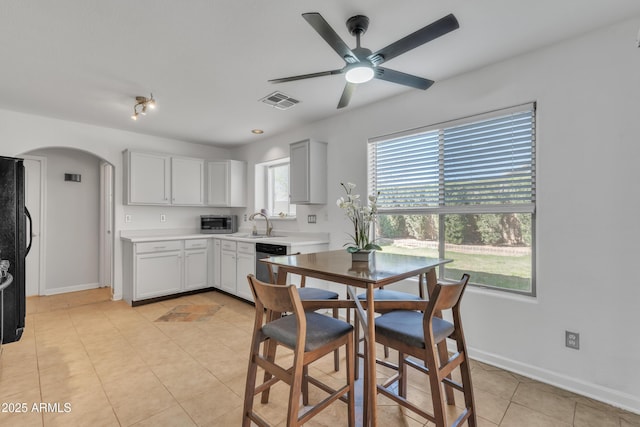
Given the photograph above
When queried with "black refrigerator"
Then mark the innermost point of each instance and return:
(14, 219)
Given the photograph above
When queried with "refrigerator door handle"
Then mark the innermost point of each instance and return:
(26, 212)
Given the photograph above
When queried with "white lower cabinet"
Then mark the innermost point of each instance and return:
(162, 268)
(195, 264)
(228, 266)
(237, 260)
(245, 265)
(215, 252)
(158, 274)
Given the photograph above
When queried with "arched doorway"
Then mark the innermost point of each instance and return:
(73, 234)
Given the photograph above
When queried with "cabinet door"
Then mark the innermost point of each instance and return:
(228, 271)
(214, 263)
(158, 274)
(149, 179)
(195, 269)
(218, 183)
(187, 181)
(246, 265)
(299, 172)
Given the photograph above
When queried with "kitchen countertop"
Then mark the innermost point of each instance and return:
(280, 238)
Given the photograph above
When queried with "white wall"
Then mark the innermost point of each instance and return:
(588, 92)
(21, 133)
(72, 251)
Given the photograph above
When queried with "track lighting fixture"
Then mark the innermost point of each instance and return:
(141, 106)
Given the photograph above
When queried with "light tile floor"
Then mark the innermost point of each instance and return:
(87, 361)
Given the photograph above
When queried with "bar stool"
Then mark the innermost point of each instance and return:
(417, 334)
(384, 295)
(311, 336)
(310, 293)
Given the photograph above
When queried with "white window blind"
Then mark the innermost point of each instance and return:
(480, 161)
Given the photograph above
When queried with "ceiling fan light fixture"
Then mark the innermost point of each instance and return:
(359, 74)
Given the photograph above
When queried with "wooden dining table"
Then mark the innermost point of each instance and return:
(383, 269)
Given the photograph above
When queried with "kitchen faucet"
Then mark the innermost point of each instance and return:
(269, 226)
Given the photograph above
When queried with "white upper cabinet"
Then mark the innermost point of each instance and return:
(162, 179)
(148, 178)
(308, 172)
(187, 181)
(227, 183)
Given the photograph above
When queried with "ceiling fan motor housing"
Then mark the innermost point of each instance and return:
(357, 25)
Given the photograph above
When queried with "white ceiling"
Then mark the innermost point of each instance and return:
(207, 62)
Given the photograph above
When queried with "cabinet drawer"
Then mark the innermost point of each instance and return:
(228, 245)
(195, 244)
(247, 248)
(161, 246)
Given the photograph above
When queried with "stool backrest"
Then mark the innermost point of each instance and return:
(446, 296)
(276, 298)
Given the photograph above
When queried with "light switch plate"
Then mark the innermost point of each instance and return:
(311, 219)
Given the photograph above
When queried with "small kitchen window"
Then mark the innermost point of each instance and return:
(273, 178)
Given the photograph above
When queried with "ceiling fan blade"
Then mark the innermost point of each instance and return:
(346, 94)
(306, 76)
(394, 76)
(432, 31)
(330, 36)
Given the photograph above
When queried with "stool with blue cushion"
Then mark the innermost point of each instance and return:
(310, 336)
(310, 293)
(384, 295)
(417, 334)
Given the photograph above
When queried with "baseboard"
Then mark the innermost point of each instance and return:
(594, 391)
(73, 288)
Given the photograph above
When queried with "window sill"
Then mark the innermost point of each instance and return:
(280, 218)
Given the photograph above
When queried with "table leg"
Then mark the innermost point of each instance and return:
(371, 392)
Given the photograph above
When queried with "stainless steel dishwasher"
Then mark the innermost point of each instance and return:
(265, 250)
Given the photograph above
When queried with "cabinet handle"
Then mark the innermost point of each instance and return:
(159, 247)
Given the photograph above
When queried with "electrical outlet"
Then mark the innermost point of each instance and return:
(572, 340)
(127, 218)
(163, 218)
(311, 219)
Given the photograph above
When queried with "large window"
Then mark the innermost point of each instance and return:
(462, 190)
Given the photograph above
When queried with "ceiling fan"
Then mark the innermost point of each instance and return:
(361, 65)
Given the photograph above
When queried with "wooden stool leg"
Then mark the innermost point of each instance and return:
(336, 353)
(305, 385)
(269, 354)
(437, 398)
(297, 381)
(250, 385)
(402, 373)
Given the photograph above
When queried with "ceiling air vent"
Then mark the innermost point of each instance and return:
(279, 100)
